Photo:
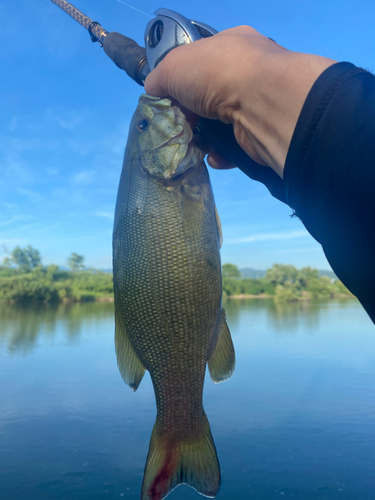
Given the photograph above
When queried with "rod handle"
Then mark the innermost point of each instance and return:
(220, 136)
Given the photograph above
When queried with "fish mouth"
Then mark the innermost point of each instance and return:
(171, 151)
(177, 139)
(194, 155)
(185, 134)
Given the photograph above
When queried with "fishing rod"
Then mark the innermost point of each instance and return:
(164, 33)
(123, 51)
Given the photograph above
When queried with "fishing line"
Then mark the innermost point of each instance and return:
(141, 11)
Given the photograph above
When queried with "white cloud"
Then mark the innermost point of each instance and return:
(6, 243)
(286, 235)
(67, 120)
(317, 248)
(33, 196)
(107, 215)
(15, 218)
(17, 158)
(13, 124)
(84, 177)
(95, 235)
(52, 170)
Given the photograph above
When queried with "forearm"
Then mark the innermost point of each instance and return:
(330, 174)
(275, 93)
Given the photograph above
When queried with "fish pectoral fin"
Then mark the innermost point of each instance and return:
(218, 227)
(223, 359)
(128, 362)
(194, 463)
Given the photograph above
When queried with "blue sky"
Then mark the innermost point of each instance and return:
(65, 109)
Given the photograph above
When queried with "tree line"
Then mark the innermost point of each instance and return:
(283, 282)
(23, 278)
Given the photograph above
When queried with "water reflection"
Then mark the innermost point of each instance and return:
(283, 317)
(296, 420)
(22, 326)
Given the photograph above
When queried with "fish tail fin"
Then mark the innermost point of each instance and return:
(193, 462)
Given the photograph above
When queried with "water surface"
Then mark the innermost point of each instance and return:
(297, 420)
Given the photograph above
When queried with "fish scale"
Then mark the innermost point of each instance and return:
(168, 293)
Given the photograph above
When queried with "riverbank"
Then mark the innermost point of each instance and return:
(51, 284)
(251, 296)
(304, 297)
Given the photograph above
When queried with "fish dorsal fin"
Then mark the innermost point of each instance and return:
(219, 228)
(128, 362)
(222, 361)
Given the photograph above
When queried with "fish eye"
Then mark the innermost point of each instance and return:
(142, 125)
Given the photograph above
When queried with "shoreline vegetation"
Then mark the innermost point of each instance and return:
(284, 283)
(24, 279)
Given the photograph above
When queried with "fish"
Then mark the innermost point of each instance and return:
(169, 317)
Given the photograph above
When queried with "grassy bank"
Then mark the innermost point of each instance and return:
(50, 284)
(283, 283)
(23, 278)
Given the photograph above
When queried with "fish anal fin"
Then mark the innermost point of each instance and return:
(128, 362)
(194, 463)
(223, 359)
(218, 227)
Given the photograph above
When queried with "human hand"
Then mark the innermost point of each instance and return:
(241, 77)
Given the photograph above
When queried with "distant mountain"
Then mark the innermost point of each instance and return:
(249, 272)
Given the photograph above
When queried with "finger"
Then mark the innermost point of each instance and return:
(218, 162)
(155, 83)
(239, 30)
(162, 79)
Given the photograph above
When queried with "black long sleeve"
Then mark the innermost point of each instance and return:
(329, 174)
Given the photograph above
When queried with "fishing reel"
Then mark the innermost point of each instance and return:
(164, 33)
(170, 30)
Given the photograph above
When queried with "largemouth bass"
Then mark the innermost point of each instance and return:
(168, 293)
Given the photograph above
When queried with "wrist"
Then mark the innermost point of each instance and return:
(270, 100)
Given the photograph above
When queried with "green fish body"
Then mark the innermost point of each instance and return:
(168, 293)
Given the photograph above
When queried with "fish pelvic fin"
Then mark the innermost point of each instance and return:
(223, 359)
(128, 362)
(193, 462)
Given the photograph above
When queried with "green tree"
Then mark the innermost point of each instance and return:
(231, 271)
(280, 274)
(287, 292)
(75, 262)
(26, 259)
(320, 288)
(306, 275)
(310, 273)
(7, 262)
(52, 272)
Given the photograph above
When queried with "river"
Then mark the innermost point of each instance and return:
(296, 421)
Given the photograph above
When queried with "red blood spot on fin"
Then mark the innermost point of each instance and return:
(158, 488)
